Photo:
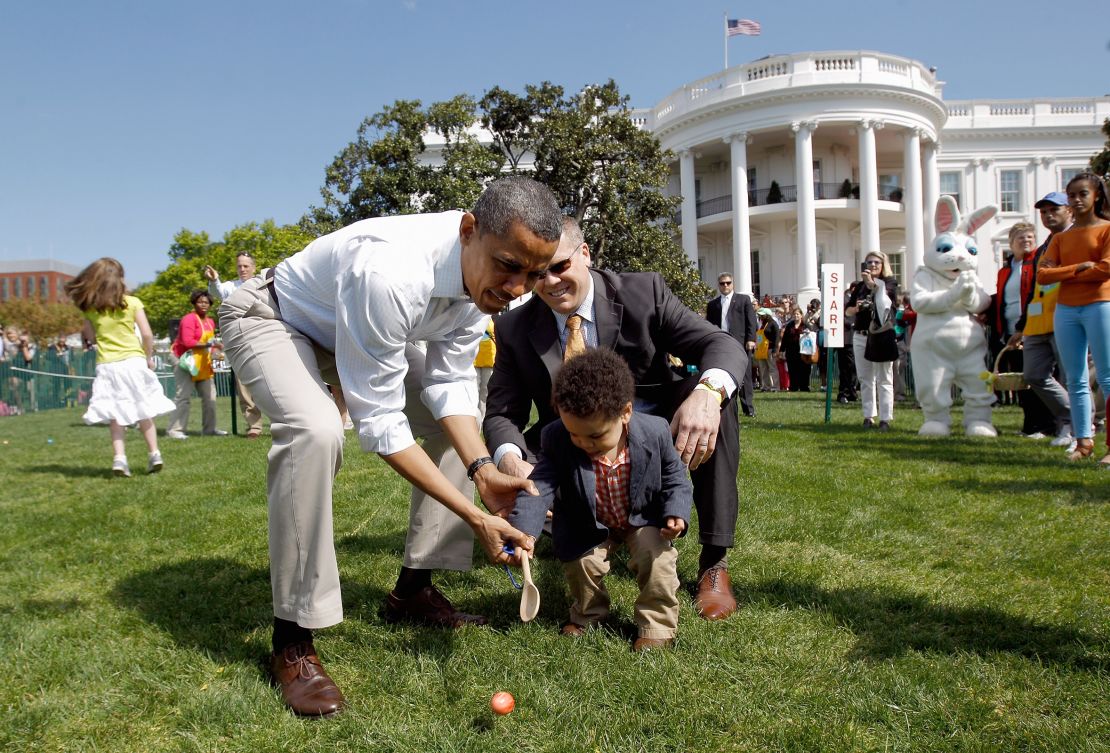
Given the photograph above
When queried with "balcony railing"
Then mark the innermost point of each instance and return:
(788, 195)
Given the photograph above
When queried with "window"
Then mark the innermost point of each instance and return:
(751, 178)
(818, 193)
(1009, 193)
(44, 288)
(1067, 173)
(17, 287)
(30, 286)
(950, 185)
(890, 187)
(3, 289)
(755, 276)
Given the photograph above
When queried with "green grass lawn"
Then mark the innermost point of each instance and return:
(896, 593)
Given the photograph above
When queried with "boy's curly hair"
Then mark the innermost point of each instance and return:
(597, 382)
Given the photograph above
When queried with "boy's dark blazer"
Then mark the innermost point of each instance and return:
(658, 487)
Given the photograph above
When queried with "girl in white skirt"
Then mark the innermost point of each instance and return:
(125, 390)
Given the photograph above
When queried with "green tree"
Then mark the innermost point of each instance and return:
(167, 297)
(42, 321)
(382, 171)
(1100, 163)
(604, 170)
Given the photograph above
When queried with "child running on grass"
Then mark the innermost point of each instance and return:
(125, 390)
(613, 477)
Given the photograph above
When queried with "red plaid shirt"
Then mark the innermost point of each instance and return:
(611, 481)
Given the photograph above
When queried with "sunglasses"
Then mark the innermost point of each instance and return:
(559, 268)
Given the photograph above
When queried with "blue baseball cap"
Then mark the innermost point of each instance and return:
(1056, 199)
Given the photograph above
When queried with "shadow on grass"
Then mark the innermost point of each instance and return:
(73, 471)
(1074, 489)
(211, 604)
(888, 624)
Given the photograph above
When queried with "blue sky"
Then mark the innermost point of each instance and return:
(123, 121)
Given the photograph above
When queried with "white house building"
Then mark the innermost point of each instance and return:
(795, 160)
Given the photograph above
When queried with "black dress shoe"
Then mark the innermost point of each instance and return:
(428, 607)
(750, 412)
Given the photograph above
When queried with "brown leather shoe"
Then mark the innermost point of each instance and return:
(571, 630)
(428, 607)
(305, 686)
(714, 599)
(650, 644)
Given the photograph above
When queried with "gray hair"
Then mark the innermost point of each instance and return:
(516, 199)
(572, 232)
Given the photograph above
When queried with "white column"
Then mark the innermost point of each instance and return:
(868, 189)
(931, 187)
(689, 205)
(807, 219)
(741, 230)
(911, 202)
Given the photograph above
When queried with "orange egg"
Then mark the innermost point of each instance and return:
(502, 703)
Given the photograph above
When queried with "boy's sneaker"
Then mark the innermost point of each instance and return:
(175, 434)
(154, 462)
(119, 467)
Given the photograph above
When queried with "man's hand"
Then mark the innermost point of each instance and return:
(674, 529)
(750, 345)
(498, 490)
(495, 533)
(514, 465)
(1083, 266)
(210, 273)
(694, 428)
(1015, 340)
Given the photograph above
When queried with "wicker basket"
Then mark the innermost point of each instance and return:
(1009, 381)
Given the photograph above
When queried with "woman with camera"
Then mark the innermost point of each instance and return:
(869, 307)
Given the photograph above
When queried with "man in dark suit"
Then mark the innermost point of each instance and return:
(635, 315)
(734, 313)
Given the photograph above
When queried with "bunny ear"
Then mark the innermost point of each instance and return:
(979, 217)
(947, 216)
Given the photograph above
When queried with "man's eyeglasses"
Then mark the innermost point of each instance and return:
(722, 283)
(560, 267)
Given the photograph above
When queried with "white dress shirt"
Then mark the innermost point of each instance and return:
(366, 291)
(223, 290)
(726, 301)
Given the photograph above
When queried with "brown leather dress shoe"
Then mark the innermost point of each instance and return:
(305, 686)
(428, 607)
(649, 644)
(572, 630)
(714, 599)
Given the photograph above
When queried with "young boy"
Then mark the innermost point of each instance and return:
(614, 478)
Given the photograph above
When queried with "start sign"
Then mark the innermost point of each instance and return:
(832, 304)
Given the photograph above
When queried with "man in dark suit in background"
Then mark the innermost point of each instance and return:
(636, 315)
(734, 313)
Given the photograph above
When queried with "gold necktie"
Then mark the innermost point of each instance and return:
(576, 343)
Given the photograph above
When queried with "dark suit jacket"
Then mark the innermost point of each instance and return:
(658, 487)
(637, 316)
(742, 321)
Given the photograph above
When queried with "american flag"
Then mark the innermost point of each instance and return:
(743, 26)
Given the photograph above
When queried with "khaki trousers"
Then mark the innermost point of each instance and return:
(286, 374)
(250, 410)
(652, 559)
(183, 395)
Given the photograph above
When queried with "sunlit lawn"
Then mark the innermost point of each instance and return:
(896, 594)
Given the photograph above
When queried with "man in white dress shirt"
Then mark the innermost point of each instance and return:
(353, 305)
(244, 266)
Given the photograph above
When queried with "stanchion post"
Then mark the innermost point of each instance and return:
(234, 413)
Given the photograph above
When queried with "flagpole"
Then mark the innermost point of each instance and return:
(726, 40)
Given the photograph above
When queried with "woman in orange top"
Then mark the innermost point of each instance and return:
(1079, 259)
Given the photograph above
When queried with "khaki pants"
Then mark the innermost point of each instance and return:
(652, 559)
(183, 395)
(250, 410)
(286, 374)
